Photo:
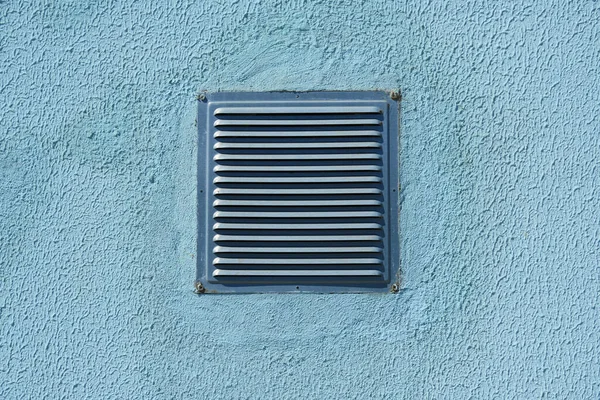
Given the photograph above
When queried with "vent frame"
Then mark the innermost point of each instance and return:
(209, 102)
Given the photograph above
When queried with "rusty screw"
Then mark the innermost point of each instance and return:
(395, 95)
(395, 288)
(199, 287)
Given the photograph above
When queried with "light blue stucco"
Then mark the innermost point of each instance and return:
(500, 220)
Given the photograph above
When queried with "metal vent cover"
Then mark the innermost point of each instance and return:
(297, 192)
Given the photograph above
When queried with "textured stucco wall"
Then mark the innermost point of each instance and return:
(500, 211)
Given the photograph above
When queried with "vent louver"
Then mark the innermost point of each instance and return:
(297, 191)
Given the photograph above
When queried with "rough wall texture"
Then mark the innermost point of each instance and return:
(500, 203)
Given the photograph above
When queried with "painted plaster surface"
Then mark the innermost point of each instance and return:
(500, 201)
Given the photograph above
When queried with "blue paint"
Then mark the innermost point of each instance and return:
(500, 196)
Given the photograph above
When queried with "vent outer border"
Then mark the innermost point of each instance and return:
(204, 198)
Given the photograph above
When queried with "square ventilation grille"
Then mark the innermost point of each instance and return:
(297, 192)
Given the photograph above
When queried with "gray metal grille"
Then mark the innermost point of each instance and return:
(297, 195)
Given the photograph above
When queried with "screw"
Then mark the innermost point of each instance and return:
(395, 288)
(199, 288)
(201, 96)
(395, 95)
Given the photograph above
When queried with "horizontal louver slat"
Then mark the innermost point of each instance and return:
(297, 157)
(295, 122)
(345, 191)
(296, 168)
(269, 179)
(306, 238)
(296, 110)
(288, 226)
(294, 134)
(294, 203)
(284, 145)
(300, 214)
(299, 261)
(299, 272)
(296, 250)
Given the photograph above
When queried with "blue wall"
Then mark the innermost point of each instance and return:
(500, 219)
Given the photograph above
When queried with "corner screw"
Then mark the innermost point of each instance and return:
(199, 288)
(395, 288)
(201, 96)
(395, 95)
